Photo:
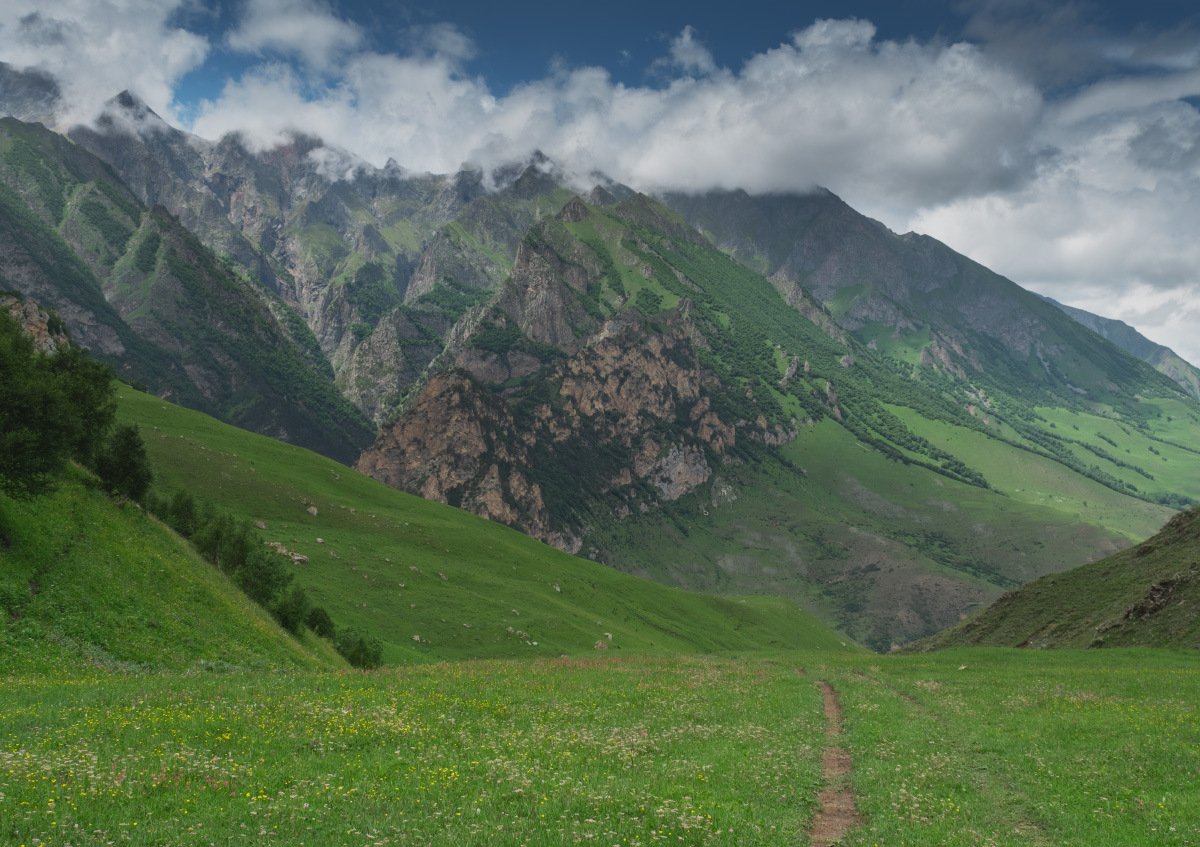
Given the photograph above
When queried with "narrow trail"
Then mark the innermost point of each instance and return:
(838, 813)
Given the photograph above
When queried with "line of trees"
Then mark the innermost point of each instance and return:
(60, 407)
(57, 408)
(235, 549)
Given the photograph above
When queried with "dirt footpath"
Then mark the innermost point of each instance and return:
(837, 814)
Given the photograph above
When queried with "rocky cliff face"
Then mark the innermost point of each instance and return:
(335, 238)
(341, 242)
(48, 332)
(627, 416)
(558, 402)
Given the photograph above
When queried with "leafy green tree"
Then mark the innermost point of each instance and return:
(221, 540)
(122, 464)
(181, 514)
(263, 576)
(37, 431)
(361, 651)
(292, 608)
(90, 394)
(319, 622)
(52, 408)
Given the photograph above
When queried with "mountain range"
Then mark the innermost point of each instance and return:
(735, 393)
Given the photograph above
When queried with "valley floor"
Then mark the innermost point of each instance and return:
(967, 747)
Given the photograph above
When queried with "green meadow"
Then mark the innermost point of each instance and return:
(959, 748)
(531, 698)
(543, 752)
(997, 747)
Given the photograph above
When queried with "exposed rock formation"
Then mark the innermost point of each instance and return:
(47, 330)
(541, 409)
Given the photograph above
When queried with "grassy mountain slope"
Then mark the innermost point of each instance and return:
(88, 584)
(887, 551)
(433, 582)
(139, 291)
(632, 393)
(886, 288)
(1163, 359)
(1008, 356)
(1146, 596)
(36, 260)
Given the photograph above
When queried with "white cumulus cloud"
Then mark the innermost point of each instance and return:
(1106, 224)
(913, 123)
(308, 29)
(97, 48)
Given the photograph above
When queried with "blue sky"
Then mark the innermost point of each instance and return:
(1058, 143)
(517, 42)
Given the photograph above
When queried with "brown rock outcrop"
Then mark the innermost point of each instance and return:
(621, 392)
(47, 331)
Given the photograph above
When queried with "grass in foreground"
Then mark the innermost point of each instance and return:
(970, 747)
(630, 751)
(994, 747)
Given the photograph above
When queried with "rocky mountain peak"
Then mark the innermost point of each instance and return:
(575, 211)
(601, 196)
(129, 113)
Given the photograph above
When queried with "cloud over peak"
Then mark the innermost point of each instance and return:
(96, 48)
(1057, 152)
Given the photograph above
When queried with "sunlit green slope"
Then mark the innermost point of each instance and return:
(88, 584)
(433, 582)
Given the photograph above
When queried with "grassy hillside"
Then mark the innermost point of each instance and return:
(1148, 595)
(885, 550)
(87, 584)
(433, 582)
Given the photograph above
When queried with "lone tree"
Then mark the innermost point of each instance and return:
(122, 464)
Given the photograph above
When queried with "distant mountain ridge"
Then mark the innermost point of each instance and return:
(1161, 358)
(912, 296)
